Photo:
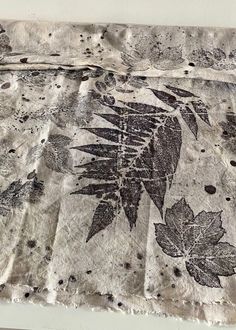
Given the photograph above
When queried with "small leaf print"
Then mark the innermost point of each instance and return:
(103, 216)
(179, 91)
(198, 106)
(56, 156)
(17, 193)
(201, 110)
(101, 87)
(196, 239)
(109, 99)
(110, 80)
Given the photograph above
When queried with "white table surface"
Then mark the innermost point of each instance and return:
(221, 13)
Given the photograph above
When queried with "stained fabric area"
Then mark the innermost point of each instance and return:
(118, 168)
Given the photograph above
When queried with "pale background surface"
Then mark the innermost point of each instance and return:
(221, 13)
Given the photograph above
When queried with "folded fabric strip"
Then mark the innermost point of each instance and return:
(118, 167)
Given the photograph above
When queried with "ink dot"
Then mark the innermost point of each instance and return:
(31, 244)
(210, 189)
(27, 294)
(225, 133)
(43, 140)
(177, 272)
(72, 278)
(173, 286)
(228, 199)
(88, 272)
(26, 117)
(119, 304)
(139, 256)
(158, 295)
(60, 282)
(127, 265)
(233, 163)
(191, 64)
(24, 60)
(49, 34)
(34, 74)
(203, 150)
(12, 151)
(110, 297)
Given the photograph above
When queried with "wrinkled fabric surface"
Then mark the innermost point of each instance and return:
(118, 168)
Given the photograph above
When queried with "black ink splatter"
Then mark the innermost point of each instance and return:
(24, 60)
(210, 189)
(127, 265)
(177, 272)
(72, 278)
(31, 244)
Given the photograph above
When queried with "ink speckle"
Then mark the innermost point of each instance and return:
(119, 304)
(139, 256)
(228, 199)
(72, 278)
(177, 272)
(127, 265)
(210, 189)
(88, 272)
(191, 64)
(233, 163)
(27, 294)
(24, 60)
(173, 286)
(110, 297)
(31, 244)
(60, 282)
(26, 117)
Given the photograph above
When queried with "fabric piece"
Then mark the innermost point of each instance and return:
(118, 168)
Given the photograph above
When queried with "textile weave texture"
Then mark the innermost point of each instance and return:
(118, 167)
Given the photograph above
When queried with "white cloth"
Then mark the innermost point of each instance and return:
(118, 167)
